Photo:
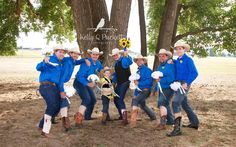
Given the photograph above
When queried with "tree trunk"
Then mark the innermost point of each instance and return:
(142, 28)
(88, 13)
(166, 28)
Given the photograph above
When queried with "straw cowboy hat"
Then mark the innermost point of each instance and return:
(164, 51)
(95, 50)
(182, 44)
(140, 57)
(115, 51)
(75, 50)
(106, 68)
(58, 47)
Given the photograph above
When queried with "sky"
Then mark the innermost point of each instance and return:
(37, 39)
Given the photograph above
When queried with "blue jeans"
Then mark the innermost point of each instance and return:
(105, 104)
(140, 100)
(51, 95)
(119, 101)
(164, 100)
(64, 103)
(182, 100)
(87, 96)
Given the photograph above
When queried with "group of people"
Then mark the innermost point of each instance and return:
(57, 69)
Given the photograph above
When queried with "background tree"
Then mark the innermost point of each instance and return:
(201, 23)
(65, 19)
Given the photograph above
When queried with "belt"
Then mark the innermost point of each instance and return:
(145, 89)
(47, 83)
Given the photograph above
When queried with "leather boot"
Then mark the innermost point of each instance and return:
(104, 118)
(78, 118)
(191, 126)
(162, 125)
(133, 119)
(125, 118)
(66, 123)
(177, 128)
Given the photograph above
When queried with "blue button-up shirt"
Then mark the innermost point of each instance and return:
(67, 70)
(168, 71)
(185, 69)
(145, 80)
(50, 73)
(85, 71)
(125, 62)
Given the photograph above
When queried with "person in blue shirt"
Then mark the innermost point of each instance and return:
(144, 84)
(168, 69)
(121, 79)
(50, 71)
(84, 87)
(67, 69)
(186, 73)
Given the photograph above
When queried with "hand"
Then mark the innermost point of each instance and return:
(87, 62)
(136, 82)
(126, 53)
(91, 85)
(170, 61)
(46, 59)
(185, 86)
(158, 80)
(63, 95)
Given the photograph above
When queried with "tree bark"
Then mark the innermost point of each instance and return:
(142, 28)
(166, 28)
(88, 13)
(120, 12)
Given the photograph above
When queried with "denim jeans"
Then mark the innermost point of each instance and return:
(51, 95)
(164, 100)
(121, 91)
(87, 96)
(140, 100)
(105, 104)
(182, 100)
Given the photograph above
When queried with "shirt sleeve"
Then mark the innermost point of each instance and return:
(193, 73)
(78, 62)
(41, 66)
(83, 74)
(114, 78)
(126, 62)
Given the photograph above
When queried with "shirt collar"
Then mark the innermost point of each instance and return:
(184, 56)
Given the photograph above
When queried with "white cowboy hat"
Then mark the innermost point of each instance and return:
(164, 51)
(182, 44)
(95, 50)
(58, 47)
(75, 50)
(115, 51)
(140, 57)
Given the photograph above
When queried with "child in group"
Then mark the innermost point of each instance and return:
(107, 92)
(185, 74)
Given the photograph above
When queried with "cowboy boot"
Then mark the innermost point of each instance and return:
(66, 123)
(78, 118)
(162, 125)
(133, 119)
(104, 118)
(125, 118)
(177, 128)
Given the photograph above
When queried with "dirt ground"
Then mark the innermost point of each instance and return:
(212, 96)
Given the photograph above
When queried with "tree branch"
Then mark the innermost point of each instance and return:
(207, 29)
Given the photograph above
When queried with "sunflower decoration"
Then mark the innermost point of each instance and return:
(125, 43)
